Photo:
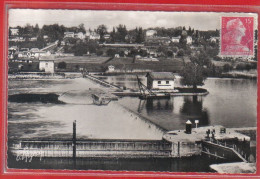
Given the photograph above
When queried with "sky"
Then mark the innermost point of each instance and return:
(92, 18)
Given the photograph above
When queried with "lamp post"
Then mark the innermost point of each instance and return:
(196, 122)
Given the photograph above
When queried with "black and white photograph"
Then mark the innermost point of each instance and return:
(114, 90)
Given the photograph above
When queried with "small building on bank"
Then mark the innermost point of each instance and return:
(46, 64)
(160, 80)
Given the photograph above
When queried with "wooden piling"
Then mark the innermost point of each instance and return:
(178, 148)
(74, 140)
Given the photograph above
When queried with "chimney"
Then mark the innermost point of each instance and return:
(188, 127)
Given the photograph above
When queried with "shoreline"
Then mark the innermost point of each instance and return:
(62, 75)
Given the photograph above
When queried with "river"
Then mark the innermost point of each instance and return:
(230, 102)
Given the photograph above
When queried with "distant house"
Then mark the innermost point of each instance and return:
(69, 34)
(160, 81)
(107, 36)
(117, 55)
(189, 40)
(94, 36)
(111, 68)
(214, 39)
(158, 40)
(17, 39)
(176, 39)
(46, 64)
(14, 31)
(33, 39)
(80, 35)
(152, 54)
(11, 52)
(150, 33)
(36, 53)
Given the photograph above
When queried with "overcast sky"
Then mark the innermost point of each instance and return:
(91, 19)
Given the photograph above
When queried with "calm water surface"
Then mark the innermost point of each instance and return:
(230, 102)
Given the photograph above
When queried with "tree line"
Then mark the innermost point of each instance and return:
(119, 33)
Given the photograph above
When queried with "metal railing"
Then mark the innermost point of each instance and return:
(239, 152)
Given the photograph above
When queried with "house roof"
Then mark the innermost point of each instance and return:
(161, 75)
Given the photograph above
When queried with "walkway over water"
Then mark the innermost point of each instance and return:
(101, 82)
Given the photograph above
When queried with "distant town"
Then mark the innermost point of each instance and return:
(56, 48)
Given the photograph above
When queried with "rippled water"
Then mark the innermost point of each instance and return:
(33, 120)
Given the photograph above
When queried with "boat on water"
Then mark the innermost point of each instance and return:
(101, 99)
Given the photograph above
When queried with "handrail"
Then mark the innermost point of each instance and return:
(231, 147)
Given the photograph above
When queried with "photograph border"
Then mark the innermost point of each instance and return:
(105, 6)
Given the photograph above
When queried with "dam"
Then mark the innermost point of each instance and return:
(214, 141)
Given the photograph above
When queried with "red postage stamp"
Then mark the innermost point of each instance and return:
(237, 36)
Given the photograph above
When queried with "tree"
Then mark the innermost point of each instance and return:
(192, 75)
(189, 31)
(54, 32)
(102, 30)
(111, 52)
(139, 35)
(175, 49)
(99, 52)
(113, 35)
(183, 39)
(81, 28)
(180, 53)
(79, 49)
(227, 67)
(169, 53)
(202, 59)
(121, 33)
(121, 53)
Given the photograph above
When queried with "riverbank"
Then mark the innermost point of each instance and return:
(237, 167)
(240, 74)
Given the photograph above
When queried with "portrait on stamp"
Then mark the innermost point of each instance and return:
(237, 36)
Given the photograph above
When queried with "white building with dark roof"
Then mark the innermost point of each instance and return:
(160, 80)
(46, 64)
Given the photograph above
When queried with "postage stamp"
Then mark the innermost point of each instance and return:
(237, 36)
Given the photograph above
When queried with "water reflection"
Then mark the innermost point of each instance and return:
(193, 108)
(156, 105)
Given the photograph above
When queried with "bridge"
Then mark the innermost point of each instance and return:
(101, 82)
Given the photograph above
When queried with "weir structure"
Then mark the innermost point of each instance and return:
(212, 141)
